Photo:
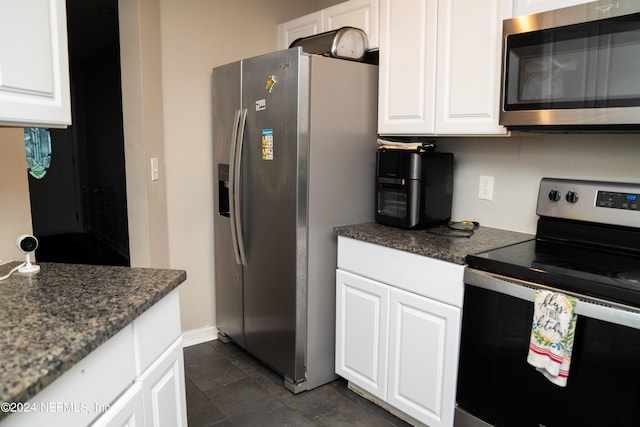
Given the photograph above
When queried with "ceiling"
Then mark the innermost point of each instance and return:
(92, 25)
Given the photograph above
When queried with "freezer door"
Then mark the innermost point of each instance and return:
(228, 274)
(274, 211)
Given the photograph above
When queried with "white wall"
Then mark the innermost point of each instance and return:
(518, 164)
(15, 207)
(198, 35)
(142, 108)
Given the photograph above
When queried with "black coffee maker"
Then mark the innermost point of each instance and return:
(414, 186)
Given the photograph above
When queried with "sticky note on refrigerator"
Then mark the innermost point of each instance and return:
(267, 144)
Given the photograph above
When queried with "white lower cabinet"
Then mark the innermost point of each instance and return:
(423, 357)
(136, 378)
(394, 341)
(157, 397)
(163, 389)
(127, 411)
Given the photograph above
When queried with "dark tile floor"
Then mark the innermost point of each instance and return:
(227, 387)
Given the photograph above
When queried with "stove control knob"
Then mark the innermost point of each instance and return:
(554, 195)
(572, 197)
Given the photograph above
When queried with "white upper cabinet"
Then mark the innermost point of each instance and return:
(361, 14)
(526, 7)
(469, 63)
(34, 64)
(407, 79)
(440, 66)
(303, 26)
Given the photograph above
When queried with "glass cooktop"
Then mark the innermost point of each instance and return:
(598, 273)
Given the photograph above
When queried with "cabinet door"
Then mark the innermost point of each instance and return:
(361, 14)
(407, 68)
(304, 26)
(362, 310)
(127, 411)
(469, 63)
(423, 357)
(163, 389)
(526, 7)
(34, 68)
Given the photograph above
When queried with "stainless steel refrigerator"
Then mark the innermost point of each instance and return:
(294, 156)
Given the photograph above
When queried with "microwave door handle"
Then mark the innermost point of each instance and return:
(232, 187)
(241, 257)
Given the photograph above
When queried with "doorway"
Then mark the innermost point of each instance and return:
(79, 208)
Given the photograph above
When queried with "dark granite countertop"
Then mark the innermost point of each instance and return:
(52, 319)
(430, 242)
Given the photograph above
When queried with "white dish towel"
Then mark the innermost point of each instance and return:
(552, 334)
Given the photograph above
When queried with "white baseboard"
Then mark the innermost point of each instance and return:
(198, 336)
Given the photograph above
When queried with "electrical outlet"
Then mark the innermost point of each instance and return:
(485, 188)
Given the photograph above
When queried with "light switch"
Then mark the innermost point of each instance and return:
(155, 171)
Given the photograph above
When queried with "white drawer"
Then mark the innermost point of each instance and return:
(155, 330)
(429, 277)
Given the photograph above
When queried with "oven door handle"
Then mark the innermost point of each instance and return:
(587, 306)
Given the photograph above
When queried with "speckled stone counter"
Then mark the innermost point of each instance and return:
(424, 242)
(52, 319)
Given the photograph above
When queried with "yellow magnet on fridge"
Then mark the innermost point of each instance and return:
(270, 83)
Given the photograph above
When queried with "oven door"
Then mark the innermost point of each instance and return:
(498, 386)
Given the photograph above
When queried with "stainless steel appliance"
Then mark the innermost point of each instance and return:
(574, 68)
(587, 245)
(414, 188)
(345, 43)
(294, 155)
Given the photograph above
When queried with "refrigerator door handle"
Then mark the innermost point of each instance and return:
(235, 211)
(232, 187)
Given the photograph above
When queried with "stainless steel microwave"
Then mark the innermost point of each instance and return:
(573, 69)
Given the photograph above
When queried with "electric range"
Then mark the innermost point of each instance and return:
(587, 245)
